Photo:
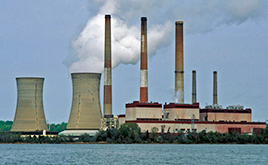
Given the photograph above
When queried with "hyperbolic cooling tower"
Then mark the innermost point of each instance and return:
(179, 77)
(86, 111)
(107, 98)
(30, 114)
(143, 62)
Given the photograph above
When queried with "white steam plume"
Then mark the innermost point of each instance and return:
(199, 16)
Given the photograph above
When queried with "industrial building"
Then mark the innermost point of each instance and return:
(86, 115)
(180, 117)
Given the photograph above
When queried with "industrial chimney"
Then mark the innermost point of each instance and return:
(179, 78)
(194, 87)
(30, 114)
(215, 97)
(107, 99)
(143, 62)
(86, 111)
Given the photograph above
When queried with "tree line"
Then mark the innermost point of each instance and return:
(5, 126)
(131, 133)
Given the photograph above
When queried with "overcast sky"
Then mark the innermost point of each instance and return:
(51, 39)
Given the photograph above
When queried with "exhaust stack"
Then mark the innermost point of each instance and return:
(179, 77)
(107, 99)
(194, 87)
(143, 62)
(30, 114)
(215, 95)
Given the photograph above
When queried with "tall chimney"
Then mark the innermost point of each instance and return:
(179, 80)
(107, 100)
(215, 97)
(30, 114)
(143, 62)
(194, 86)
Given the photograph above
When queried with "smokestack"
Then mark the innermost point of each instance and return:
(86, 111)
(143, 62)
(215, 97)
(194, 86)
(107, 99)
(30, 114)
(179, 80)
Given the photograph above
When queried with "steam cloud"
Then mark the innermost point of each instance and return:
(199, 17)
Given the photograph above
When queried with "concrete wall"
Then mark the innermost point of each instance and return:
(181, 113)
(134, 113)
(176, 126)
(226, 116)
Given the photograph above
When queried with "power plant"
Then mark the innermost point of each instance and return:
(86, 115)
(29, 114)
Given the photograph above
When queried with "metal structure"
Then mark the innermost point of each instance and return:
(179, 72)
(107, 99)
(215, 95)
(86, 111)
(30, 114)
(194, 86)
(143, 62)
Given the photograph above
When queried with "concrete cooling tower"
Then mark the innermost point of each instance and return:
(30, 114)
(85, 116)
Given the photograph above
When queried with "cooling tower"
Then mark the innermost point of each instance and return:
(86, 111)
(107, 99)
(30, 114)
(215, 97)
(179, 77)
(194, 86)
(144, 73)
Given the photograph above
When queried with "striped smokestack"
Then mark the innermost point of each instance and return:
(215, 97)
(179, 80)
(107, 100)
(194, 87)
(144, 73)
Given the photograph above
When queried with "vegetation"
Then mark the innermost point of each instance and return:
(57, 127)
(5, 126)
(131, 133)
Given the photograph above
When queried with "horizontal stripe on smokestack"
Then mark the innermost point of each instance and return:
(144, 72)
(107, 99)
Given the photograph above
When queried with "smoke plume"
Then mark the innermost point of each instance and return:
(198, 16)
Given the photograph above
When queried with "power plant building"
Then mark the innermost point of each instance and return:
(180, 117)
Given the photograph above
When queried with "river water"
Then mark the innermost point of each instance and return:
(132, 154)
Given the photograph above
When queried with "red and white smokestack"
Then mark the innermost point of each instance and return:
(179, 73)
(144, 72)
(107, 100)
(215, 97)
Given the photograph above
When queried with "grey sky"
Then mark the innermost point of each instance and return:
(36, 40)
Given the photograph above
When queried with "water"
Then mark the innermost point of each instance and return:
(132, 154)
